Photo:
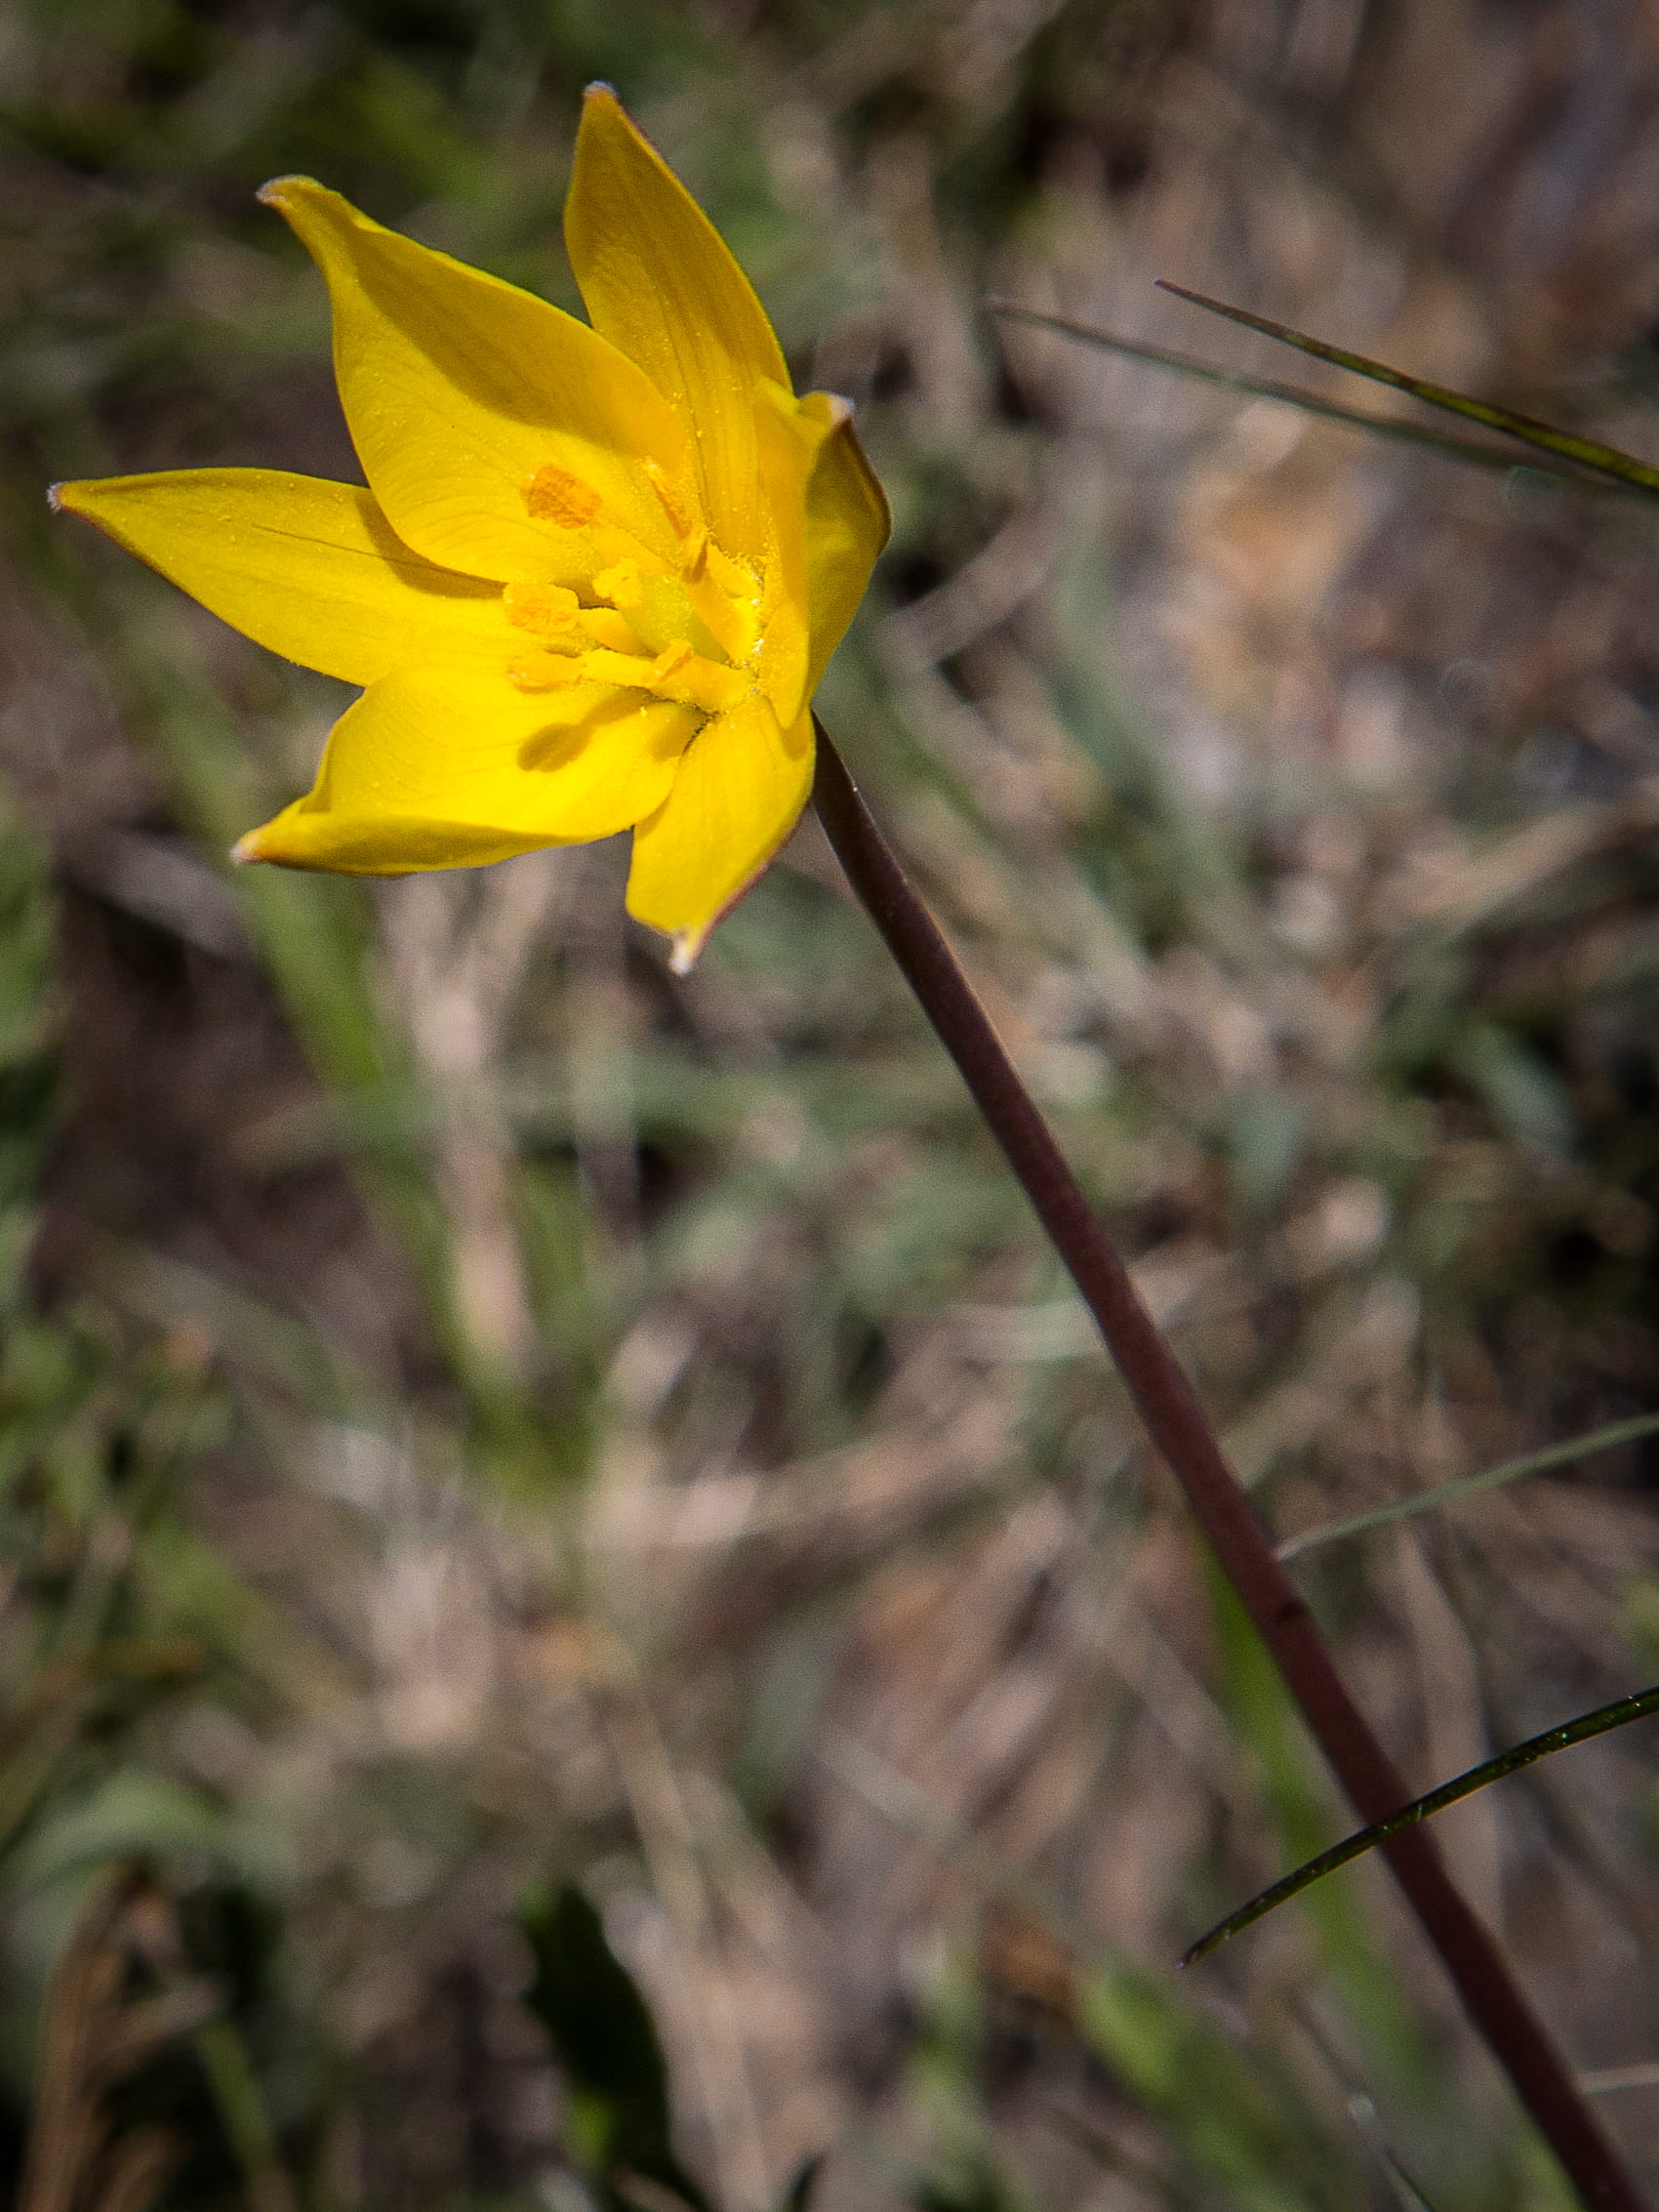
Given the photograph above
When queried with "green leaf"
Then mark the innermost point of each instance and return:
(1619, 1714)
(606, 2041)
(1587, 453)
(131, 1816)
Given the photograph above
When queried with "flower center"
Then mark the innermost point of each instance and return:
(687, 632)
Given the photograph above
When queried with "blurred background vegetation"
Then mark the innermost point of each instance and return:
(488, 1432)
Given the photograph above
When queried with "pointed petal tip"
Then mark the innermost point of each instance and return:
(71, 497)
(291, 195)
(686, 948)
(600, 89)
(249, 848)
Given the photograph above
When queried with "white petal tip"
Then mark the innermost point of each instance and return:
(245, 849)
(282, 189)
(55, 498)
(687, 945)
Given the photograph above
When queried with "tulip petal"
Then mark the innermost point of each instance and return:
(787, 434)
(459, 389)
(847, 524)
(830, 521)
(737, 795)
(308, 568)
(661, 283)
(449, 769)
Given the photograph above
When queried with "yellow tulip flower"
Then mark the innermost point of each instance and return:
(598, 568)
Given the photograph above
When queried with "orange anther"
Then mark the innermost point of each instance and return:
(555, 495)
(545, 610)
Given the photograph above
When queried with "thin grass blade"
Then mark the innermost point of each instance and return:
(1470, 1486)
(1476, 450)
(1587, 453)
(1604, 2081)
(1619, 1714)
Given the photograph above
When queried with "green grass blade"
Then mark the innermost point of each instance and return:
(1476, 450)
(1587, 453)
(1469, 1486)
(1619, 1714)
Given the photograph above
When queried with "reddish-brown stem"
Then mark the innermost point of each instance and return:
(1179, 1427)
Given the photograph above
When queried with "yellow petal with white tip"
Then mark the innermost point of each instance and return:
(738, 794)
(308, 568)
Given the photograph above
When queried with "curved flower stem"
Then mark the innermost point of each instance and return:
(1181, 1432)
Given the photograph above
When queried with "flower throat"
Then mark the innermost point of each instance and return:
(690, 633)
